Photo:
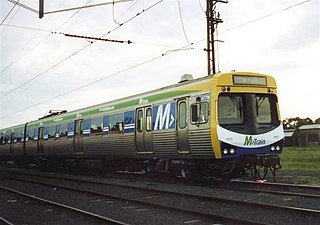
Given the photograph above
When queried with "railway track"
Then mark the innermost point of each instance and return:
(93, 217)
(302, 213)
(272, 188)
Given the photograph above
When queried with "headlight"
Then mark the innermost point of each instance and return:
(278, 148)
(225, 151)
(232, 151)
(272, 148)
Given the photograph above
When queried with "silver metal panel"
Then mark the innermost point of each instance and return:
(165, 144)
(58, 147)
(200, 143)
(111, 145)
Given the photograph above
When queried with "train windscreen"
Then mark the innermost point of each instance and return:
(254, 113)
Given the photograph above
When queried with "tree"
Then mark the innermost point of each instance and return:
(317, 121)
(294, 123)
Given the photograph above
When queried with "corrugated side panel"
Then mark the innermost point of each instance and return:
(164, 143)
(200, 143)
(112, 145)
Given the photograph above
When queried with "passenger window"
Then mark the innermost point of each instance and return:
(7, 139)
(148, 119)
(199, 112)
(96, 125)
(57, 132)
(35, 133)
(105, 130)
(45, 133)
(70, 130)
(63, 130)
(116, 123)
(86, 128)
(182, 115)
(139, 120)
(13, 138)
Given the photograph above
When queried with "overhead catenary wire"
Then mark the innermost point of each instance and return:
(9, 13)
(86, 6)
(23, 6)
(44, 73)
(182, 24)
(101, 79)
(20, 55)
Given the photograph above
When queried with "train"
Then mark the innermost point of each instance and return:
(220, 125)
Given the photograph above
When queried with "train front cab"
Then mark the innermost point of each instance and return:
(247, 123)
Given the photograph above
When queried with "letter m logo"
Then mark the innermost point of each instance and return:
(248, 140)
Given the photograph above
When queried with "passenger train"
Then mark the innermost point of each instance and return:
(215, 126)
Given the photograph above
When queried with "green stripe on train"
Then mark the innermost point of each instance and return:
(110, 107)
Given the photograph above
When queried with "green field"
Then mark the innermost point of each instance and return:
(301, 158)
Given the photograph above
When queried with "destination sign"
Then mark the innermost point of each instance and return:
(249, 80)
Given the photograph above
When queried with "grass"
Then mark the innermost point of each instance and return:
(301, 158)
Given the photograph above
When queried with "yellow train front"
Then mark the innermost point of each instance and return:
(247, 126)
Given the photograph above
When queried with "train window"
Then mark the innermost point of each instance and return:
(199, 112)
(35, 137)
(46, 133)
(182, 115)
(51, 133)
(265, 106)
(57, 131)
(86, 128)
(96, 125)
(139, 120)
(148, 119)
(105, 130)
(18, 137)
(22, 136)
(7, 139)
(29, 135)
(116, 123)
(70, 130)
(230, 109)
(63, 130)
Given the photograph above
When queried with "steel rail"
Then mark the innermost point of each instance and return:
(151, 204)
(201, 197)
(3, 220)
(232, 185)
(96, 216)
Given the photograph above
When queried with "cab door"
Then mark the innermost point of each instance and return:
(78, 137)
(143, 131)
(182, 126)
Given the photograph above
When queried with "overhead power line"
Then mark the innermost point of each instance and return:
(44, 73)
(9, 13)
(101, 79)
(87, 6)
(23, 6)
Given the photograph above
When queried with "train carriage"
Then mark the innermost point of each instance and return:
(213, 125)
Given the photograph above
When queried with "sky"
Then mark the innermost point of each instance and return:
(42, 69)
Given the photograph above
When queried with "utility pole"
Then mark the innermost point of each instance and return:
(213, 19)
(41, 8)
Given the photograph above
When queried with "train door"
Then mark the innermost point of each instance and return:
(182, 126)
(40, 140)
(77, 138)
(12, 143)
(143, 129)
